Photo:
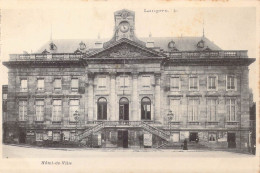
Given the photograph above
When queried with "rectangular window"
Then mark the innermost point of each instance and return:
(193, 110)
(74, 106)
(231, 83)
(175, 108)
(4, 96)
(40, 84)
(22, 110)
(39, 136)
(175, 83)
(24, 85)
(72, 136)
(56, 136)
(102, 82)
(231, 109)
(124, 81)
(74, 84)
(39, 110)
(56, 110)
(146, 81)
(57, 84)
(212, 82)
(211, 109)
(212, 137)
(194, 82)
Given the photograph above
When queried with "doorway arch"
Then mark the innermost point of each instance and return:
(123, 109)
(145, 109)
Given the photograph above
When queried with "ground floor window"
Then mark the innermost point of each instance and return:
(39, 136)
(176, 137)
(212, 137)
(56, 136)
(194, 137)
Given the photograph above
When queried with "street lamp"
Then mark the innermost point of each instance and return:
(76, 117)
(170, 117)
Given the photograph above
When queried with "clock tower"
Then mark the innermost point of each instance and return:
(124, 27)
(124, 24)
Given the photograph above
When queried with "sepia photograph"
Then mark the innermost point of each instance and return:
(129, 86)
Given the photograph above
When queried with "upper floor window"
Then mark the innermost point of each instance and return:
(4, 96)
(175, 83)
(124, 81)
(22, 110)
(194, 83)
(24, 85)
(39, 110)
(211, 109)
(74, 106)
(40, 84)
(212, 82)
(231, 109)
(146, 81)
(74, 84)
(102, 109)
(193, 109)
(57, 84)
(175, 108)
(56, 110)
(102, 82)
(231, 82)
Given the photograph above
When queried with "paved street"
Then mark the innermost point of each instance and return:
(10, 151)
(70, 160)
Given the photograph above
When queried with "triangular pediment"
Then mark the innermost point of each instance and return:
(125, 49)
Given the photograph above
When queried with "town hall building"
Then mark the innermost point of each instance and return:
(129, 92)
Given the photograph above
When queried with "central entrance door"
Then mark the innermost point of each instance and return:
(123, 109)
(122, 138)
(231, 138)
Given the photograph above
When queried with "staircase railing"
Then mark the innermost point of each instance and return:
(156, 131)
(91, 130)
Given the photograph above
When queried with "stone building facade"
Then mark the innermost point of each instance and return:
(130, 92)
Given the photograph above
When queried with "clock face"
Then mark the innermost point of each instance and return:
(124, 27)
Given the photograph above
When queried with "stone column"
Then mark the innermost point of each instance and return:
(112, 103)
(135, 116)
(90, 97)
(157, 93)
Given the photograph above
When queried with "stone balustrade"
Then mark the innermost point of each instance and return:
(181, 55)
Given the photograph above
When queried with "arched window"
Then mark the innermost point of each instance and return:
(123, 109)
(102, 109)
(146, 109)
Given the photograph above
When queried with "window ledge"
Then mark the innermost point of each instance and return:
(232, 123)
(212, 122)
(194, 123)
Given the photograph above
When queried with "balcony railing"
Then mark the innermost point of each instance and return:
(45, 57)
(184, 54)
(209, 54)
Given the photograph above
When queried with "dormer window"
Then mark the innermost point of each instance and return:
(82, 46)
(53, 46)
(207, 49)
(45, 52)
(171, 44)
(201, 44)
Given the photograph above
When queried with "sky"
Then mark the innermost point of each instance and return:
(27, 27)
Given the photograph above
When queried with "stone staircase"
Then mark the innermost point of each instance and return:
(156, 131)
(145, 126)
(90, 131)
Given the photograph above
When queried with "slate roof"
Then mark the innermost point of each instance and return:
(181, 43)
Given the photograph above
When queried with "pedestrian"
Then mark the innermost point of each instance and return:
(185, 145)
